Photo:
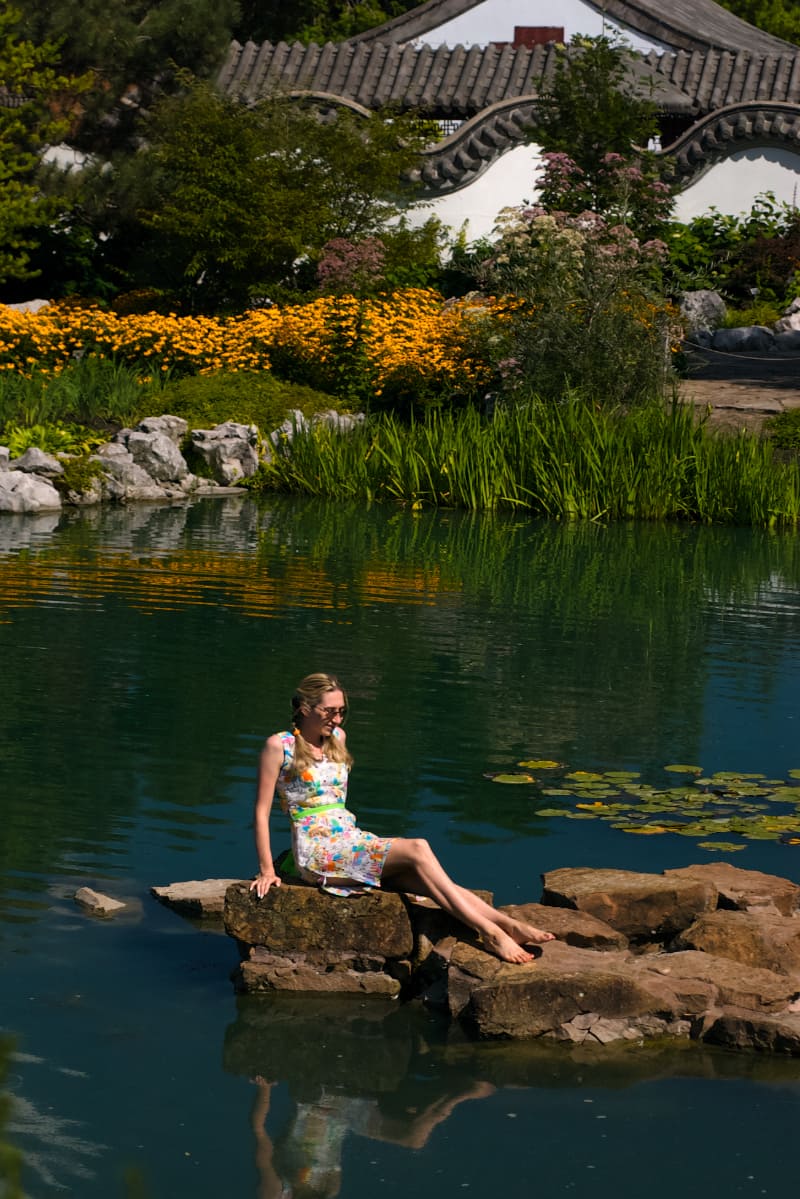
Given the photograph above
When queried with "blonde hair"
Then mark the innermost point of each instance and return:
(308, 693)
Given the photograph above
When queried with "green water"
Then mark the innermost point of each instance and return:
(145, 654)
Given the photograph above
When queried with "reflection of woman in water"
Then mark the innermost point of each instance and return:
(305, 1162)
(308, 767)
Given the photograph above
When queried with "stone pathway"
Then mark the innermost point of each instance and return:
(742, 391)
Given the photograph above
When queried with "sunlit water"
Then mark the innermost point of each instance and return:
(145, 653)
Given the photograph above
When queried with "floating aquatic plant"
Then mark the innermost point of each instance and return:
(749, 805)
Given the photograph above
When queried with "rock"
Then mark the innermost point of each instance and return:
(494, 999)
(124, 479)
(570, 926)
(788, 343)
(702, 310)
(702, 338)
(642, 906)
(20, 492)
(265, 971)
(97, 902)
(158, 455)
(341, 422)
(36, 462)
(295, 423)
(744, 890)
(759, 939)
(29, 305)
(202, 899)
(751, 339)
(298, 919)
(228, 451)
(751, 987)
(741, 1029)
(173, 427)
(4, 457)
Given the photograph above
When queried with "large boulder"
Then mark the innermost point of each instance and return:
(299, 919)
(229, 451)
(20, 492)
(173, 427)
(645, 907)
(744, 890)
(703, 311)
(760, 939)
(750, 339)
(569, 925)
(36, 462)
(158, 455)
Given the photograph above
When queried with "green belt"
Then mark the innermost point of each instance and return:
(301, 813)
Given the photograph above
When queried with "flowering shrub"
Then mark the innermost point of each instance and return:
(588, 316)
(341, 344)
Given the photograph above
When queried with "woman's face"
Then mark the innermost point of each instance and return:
(323, 718)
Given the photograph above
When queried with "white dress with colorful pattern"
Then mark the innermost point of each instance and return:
(326, 841)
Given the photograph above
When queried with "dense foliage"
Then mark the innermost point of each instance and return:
(781, 17)
(36, 109)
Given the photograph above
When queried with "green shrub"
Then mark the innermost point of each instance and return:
(79, 474)
(761, 312)
(249, 397)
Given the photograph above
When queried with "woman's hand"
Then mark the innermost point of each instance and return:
(263, 881)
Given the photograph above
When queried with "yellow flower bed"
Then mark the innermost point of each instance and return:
(412, 329)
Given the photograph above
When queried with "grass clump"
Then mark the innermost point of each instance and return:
(784, 430)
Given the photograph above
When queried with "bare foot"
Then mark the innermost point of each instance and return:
(505, 947)
(524, 934)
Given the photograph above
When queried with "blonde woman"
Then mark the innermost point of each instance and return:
(308, 767)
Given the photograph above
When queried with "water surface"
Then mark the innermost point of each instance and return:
(146, 652)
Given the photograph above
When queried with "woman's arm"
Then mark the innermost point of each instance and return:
(269, 767)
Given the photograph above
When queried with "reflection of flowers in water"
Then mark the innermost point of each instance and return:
(51, 1146)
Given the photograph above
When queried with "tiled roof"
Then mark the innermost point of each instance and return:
(680, 24)
(462, 82)
(735, 99)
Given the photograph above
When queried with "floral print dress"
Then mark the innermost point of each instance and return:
(326, 842)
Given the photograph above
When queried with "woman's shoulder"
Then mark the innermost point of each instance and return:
(280, 742)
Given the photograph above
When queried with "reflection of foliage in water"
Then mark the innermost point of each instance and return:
(48, 1144)
(10, 1156)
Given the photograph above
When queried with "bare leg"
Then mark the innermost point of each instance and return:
(411, 865)
(523, 933)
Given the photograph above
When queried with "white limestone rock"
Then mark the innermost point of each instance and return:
(20, 492)
(36, 462)
(158, 455)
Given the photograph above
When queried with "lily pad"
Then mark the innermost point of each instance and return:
(555, 791)
(513, 778)
(790, 838)
(684, 769)
(540, 764)
(720, 846)
(584, 776)
(793, 774)
(552, 812)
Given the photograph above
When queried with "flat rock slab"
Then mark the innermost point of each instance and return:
(98, 903)
(265, 971)
(744, 890)
(759, 939)
(202, 899)
(573, 927)
(734, 985)
(291, 919)
(645, 907)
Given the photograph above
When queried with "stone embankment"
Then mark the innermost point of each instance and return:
(709, 953)
(150, 462)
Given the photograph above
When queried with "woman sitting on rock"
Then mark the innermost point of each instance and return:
(308, 767)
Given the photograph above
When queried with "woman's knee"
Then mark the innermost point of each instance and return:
(415, 850)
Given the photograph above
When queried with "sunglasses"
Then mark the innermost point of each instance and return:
(329, 713)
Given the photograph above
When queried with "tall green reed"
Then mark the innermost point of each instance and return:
(569, 461)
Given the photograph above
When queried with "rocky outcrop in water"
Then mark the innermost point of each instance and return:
(709, 953)
(161, 459)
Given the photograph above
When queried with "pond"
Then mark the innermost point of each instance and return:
(146, 652)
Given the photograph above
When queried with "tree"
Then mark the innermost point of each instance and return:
(620, 118)
(133, 48)
(313, 20)
(35, 107)
(240, 195)
(779, 17)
